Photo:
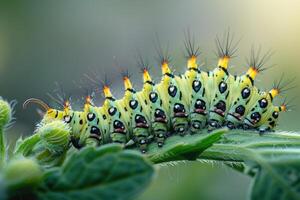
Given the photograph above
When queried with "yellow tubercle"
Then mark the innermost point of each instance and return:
(146, 75)
(106, 91)
(88, 102)
(67, 106)
(252, 72)
(274, 92)
(223, 62)
(165, 67)
(127, 83)
(192, 62)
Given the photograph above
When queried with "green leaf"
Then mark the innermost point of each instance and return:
(107, 172)
(274, 159)
(183, 148)
(281, 181)
(24, 147)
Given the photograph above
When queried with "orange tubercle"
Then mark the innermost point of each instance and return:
(283, 108)
(88, 99)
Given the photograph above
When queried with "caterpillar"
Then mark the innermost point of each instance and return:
(179, 104)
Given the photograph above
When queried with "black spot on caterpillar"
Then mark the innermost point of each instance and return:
(180, 104)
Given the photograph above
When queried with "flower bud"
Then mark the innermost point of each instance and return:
(5, 113)
(22, 173)
(55, 136)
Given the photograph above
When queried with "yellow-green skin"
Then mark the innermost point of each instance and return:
(219, 83)
(155, 112)
(170, 90)
(243, 96)
(269, 119)
(140, 124)
(258, 111)
(197, 88)
(178, 98)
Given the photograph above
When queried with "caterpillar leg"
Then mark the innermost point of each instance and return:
(141, 139)
(214, 124)
(197, 121)
(118, 138)
(159, 126)
(160, 132)
(263, 129)
(180, 125)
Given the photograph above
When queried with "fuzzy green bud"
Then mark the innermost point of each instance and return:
(55, 136)
(5, 113)
(5, 118)
(22, 173)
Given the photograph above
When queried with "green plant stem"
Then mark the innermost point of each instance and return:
(236, 146)
(2, 147)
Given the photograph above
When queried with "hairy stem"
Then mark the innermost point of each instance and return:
(2, 147)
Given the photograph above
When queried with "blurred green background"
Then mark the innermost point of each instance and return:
(46, 41)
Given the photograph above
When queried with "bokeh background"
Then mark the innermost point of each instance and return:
(42, 42)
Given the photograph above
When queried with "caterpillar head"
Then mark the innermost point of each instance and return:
(262, 114)
(49, 114)
(262, 105)
(271, 118)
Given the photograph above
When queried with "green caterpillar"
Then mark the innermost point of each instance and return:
(178, 104)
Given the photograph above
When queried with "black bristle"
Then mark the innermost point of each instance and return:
(259, 61)
(226, 47)
(163, 55)
(58, 95)
(189, 43)
(288, 103)
(125, 73)
(142, 64)
(284, 85)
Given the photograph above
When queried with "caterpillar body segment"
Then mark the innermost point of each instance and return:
(178, 104)
(259, 117)
(139, 122)
(269, 119)
(221, 82)
(243, 96)
(259, 110)
(177, 107)
(153, 105)
(93, 132)
(195, 84)
(117, 126)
